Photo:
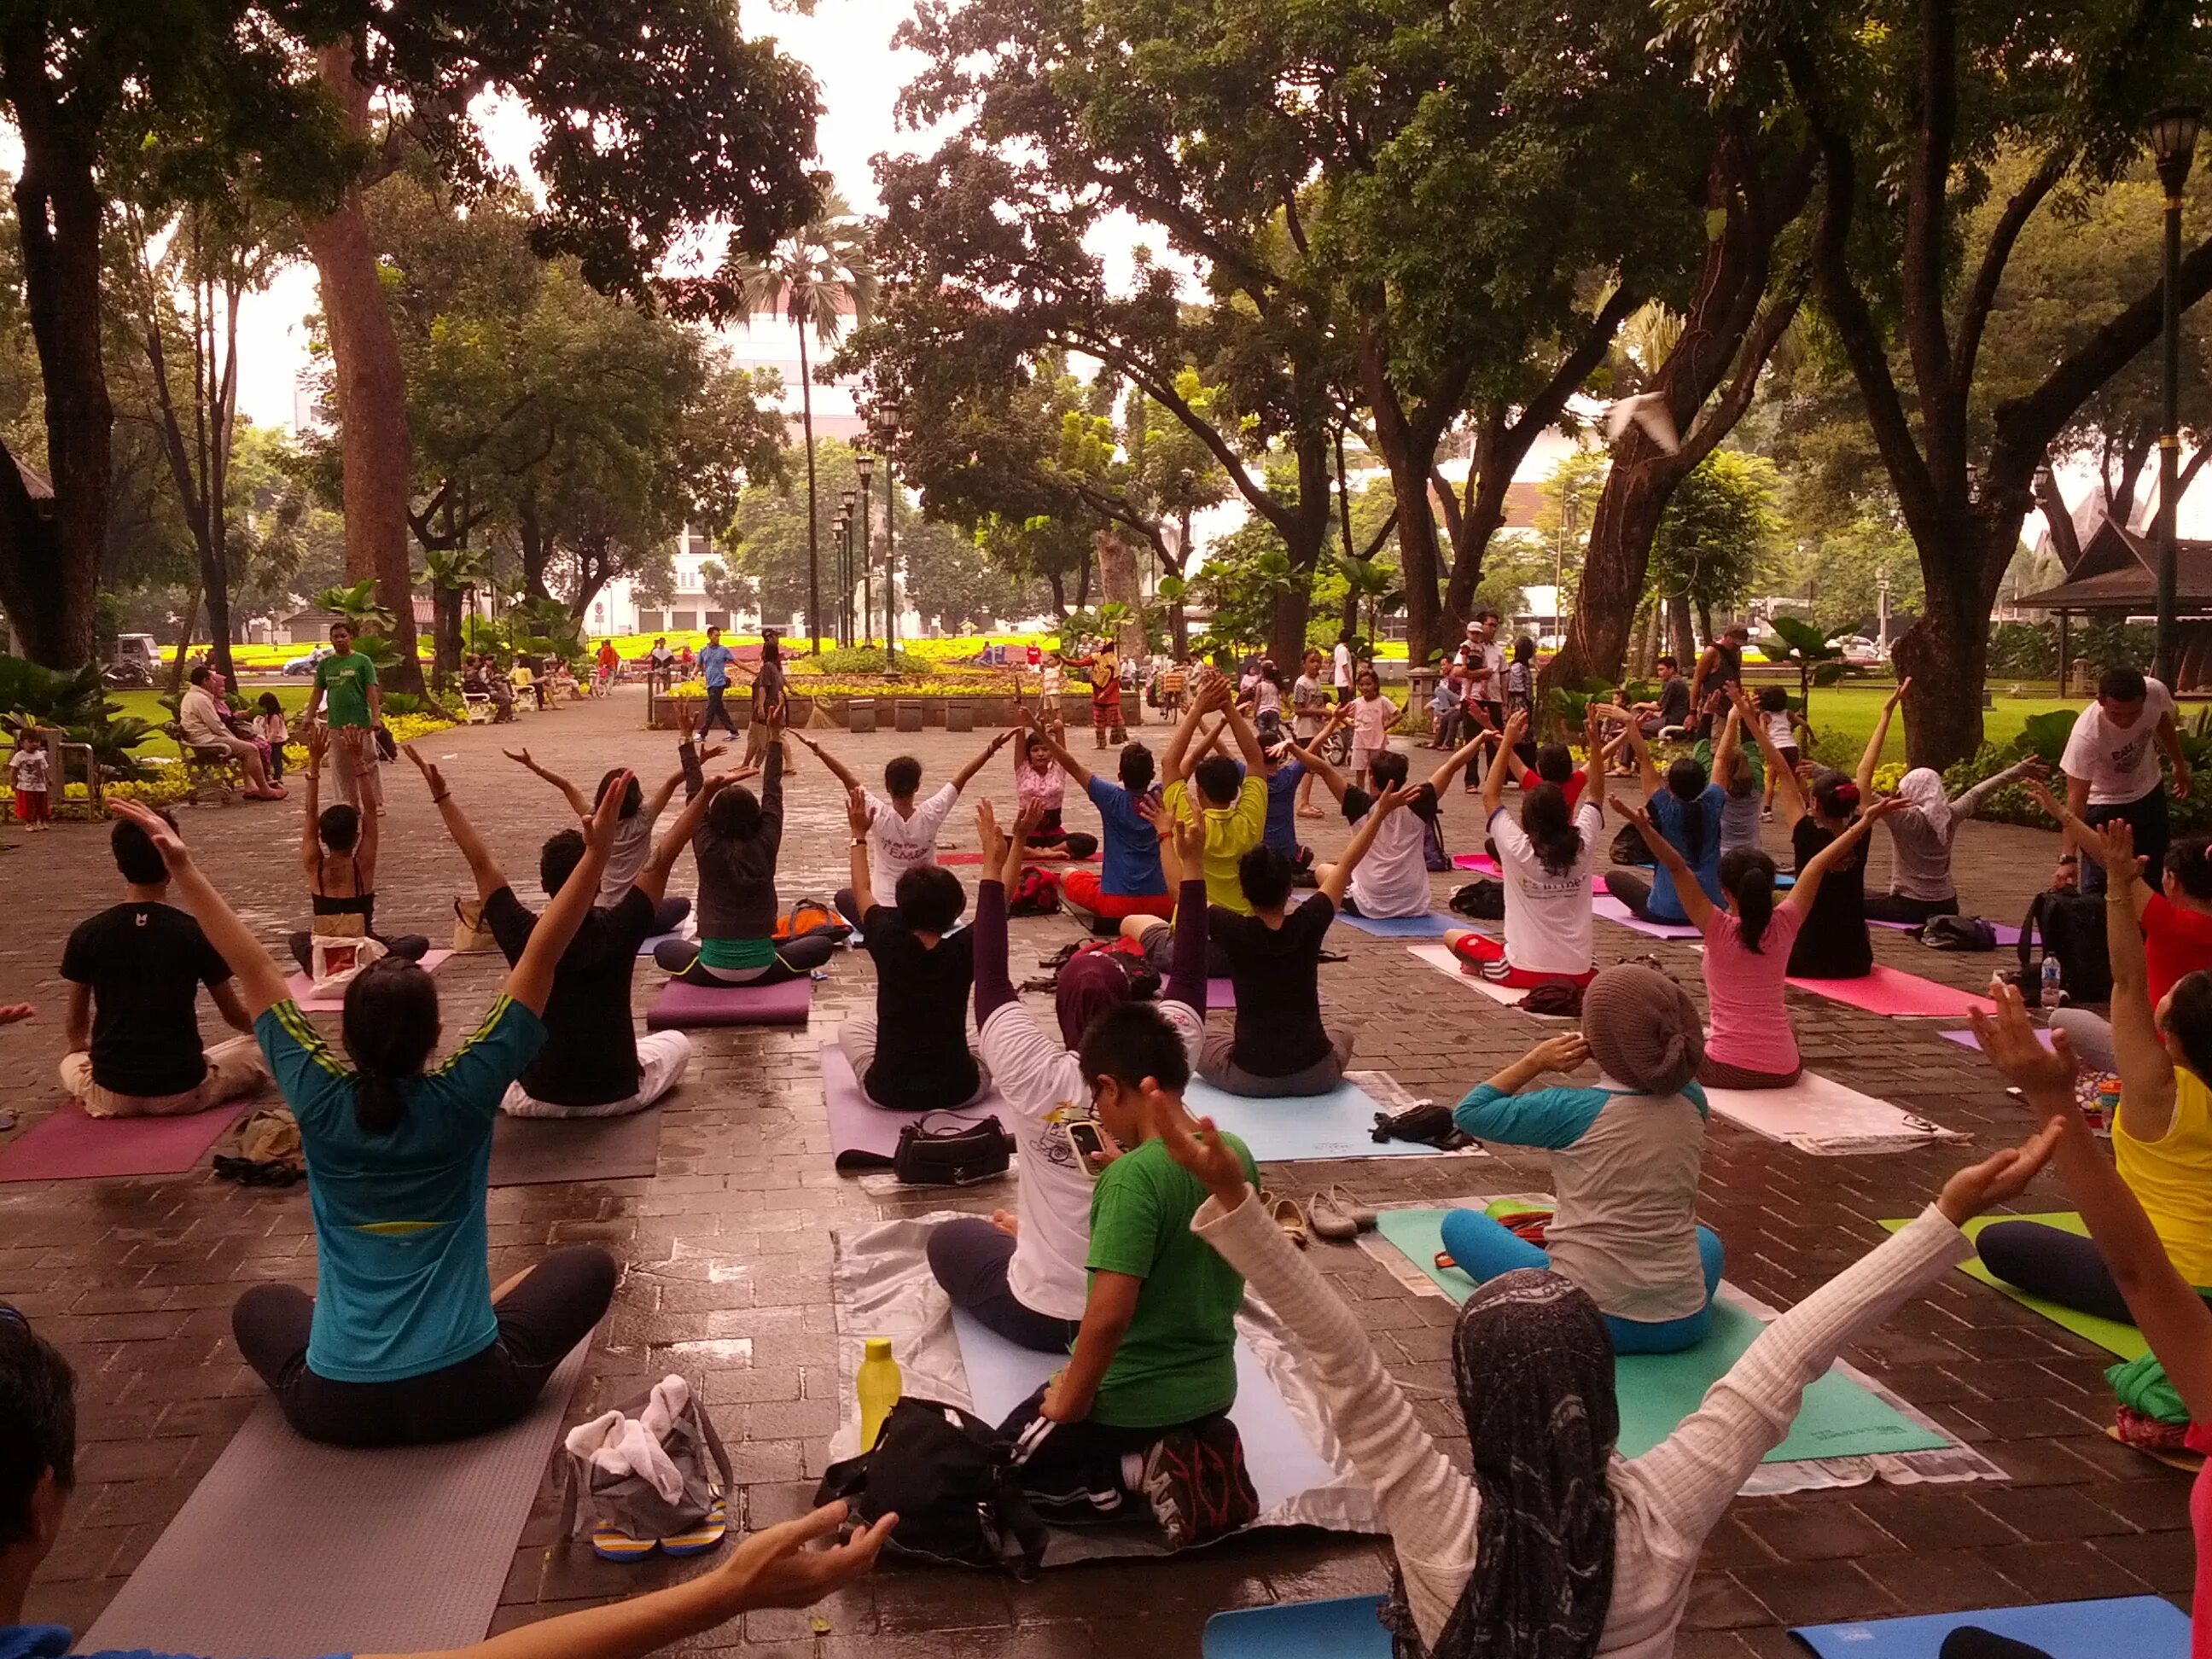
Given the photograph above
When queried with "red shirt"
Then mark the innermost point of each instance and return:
(2199, 1439)
(1573, 785)
(2176, 943)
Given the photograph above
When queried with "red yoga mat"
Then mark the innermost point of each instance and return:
(1036, 855)
(69, 1145)
(1886, 991)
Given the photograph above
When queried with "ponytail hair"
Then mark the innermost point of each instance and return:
(1687, 781)
(1550, 829)
(1749, 876)
(390, 1027)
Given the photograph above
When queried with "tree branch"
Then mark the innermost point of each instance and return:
(1927, 198)
(1720, 416)
(1974, 315)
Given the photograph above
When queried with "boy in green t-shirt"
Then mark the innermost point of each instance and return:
(1141, 1405)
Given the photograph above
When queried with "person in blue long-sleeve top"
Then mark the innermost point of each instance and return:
(1625, 1161)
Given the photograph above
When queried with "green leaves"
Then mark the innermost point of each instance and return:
(2045, 735)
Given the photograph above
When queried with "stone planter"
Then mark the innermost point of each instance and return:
(959, 713)
(861, 714)
(910, 713)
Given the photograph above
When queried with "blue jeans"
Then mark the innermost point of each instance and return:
(1484, 1248)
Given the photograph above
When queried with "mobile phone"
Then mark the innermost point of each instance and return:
(1084, 1140)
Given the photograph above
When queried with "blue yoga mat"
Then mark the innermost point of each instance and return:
(2136, 1627)
(1338, 1124)
(1431, 925)
(1350, 1627)
(1281, 1460)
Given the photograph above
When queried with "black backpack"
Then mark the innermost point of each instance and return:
(2073, 930)
(1480, 901)
(1958, 933)
(950, 1477)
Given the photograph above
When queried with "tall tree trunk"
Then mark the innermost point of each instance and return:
(1304, 537)
(1055, 580)
(1117, 582)
(814, 512)
(184, 641)
(445, 661)
(2064, 541)
(371, 382)
(1408, 441)
(1681, 639)
(1646, 631)
(49, 578)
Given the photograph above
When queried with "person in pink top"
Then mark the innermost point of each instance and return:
(1747, 940)
(1373, 715)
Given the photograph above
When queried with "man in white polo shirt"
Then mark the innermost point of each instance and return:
(2113, 772)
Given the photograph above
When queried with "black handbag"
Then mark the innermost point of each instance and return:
(950, 1478)
(957, 1155)
(1481, 901)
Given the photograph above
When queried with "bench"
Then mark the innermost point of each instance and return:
(207, 769)
(476, 709)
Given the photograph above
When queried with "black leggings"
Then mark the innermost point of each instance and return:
(408, 947)
(550, 1312)
(668, 915)
(2058, 1267)
(969, 1257)
(1049, 833)
(1896, 907)
(1634, 891)
(794, 959)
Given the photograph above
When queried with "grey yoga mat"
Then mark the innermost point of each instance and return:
(288, 1549)
(528, 1150)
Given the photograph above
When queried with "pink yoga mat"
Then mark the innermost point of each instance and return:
(1886, 991)
(1481, 861)
(862, 1134)
(683, 1007)
(68, 1145)
(302, 988)
(1221, 993)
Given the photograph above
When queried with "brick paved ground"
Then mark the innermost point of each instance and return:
(727, 1259)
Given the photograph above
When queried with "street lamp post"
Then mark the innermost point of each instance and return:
(2173, 144)
(851, 499)
(842, 550)
(866, 463)
(890, 556)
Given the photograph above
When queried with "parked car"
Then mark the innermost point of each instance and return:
(301, 667)
(1861, 652)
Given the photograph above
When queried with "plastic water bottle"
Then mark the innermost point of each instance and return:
(2054, 981)
(879, 1388)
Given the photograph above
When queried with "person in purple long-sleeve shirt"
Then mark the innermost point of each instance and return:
(1022, 1275)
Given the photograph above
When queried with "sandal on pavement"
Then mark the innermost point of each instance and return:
(1286, 1216)
(1331, 1222)
(1363, 1215)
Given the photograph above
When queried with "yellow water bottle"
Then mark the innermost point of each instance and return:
(880, 1386)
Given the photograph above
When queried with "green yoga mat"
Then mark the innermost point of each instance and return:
(2109, 1334)
(1839, 1419)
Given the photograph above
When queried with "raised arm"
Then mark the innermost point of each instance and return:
(2139, 890)
(530, 981)
(1872, 759)
(1493, 781)
(1695, 905)
(1964, 804)
(1175, 764)
(837, 768)
(1338, 876)
(966, 775)
(1731, 741)
(311, 826)
(1078, 773)
(1440, 780)
(1247, 744)
(1801, 896)
(574, 796)
(994, 985)
(1792, 793)
(859, 818)
(490, 878)
(1331, 779)
(653, 880)
(2147, 1090)
(1594, 718)
(260, 981)
(367, 848)
(1646, 774)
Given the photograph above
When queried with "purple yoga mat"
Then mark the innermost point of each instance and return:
(69, 1145)
(1968, 1040)
(2008, 935)
(1220, 993)
(683, 1007)
(862, 1134)
(1614, 910)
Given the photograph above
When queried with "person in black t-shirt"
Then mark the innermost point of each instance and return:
(594, 1063)
(1833, 943)
(913, 1054)
(134, 973)
(1279, 1047)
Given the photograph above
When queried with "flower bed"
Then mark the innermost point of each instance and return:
(681, 708)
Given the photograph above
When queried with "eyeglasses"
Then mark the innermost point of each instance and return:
(13, 1316)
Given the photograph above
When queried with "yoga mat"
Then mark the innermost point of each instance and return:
(2138, 1627)
(70, 1145)
(1968, 1040)
(1281, 1460)
(864, 1136)
(1820, 1116)
(1887, 991)
(1439, 956)
(1482, 861)
(1429, 925)
(288, 1547)
(1338, 1124)
(2008, 935)
(1838, 1418)
(1221, 993)
(303, 990)
(2114, 1338)
(689, 932)
(680, 1007)
(1035, 855)
(526, 1152)
(1350, 1627)
(1612, 910)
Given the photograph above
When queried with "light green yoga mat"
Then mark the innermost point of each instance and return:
(1839, 1419)
(2109, 1334)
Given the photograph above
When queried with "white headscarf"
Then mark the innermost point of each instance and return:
(1923, 789)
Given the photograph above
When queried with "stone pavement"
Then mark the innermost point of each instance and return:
(727, 1261)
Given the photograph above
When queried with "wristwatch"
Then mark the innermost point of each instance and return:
(857, 841)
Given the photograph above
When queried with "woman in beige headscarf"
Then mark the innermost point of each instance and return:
(1624, 1160)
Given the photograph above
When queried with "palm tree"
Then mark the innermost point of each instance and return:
(813, 276)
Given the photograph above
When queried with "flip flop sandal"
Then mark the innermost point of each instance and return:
(704, 1536)
(612, 1544)
(1330, 1221)
(1286, 1215)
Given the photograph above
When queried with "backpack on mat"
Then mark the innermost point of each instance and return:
(1480, 901)
(950, 1477)
(2073, 929)
(808, 915)
(1958, 933)
(1036, 894)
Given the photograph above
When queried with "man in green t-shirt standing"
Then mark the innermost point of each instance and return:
(1141, 1407)
(354, 712)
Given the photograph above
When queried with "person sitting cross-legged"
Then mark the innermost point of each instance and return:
(633, 836)
(594, 1063)
(406, 1341)
(135, 972)
(912, 1053)
(1141, 1406)
(901, 829)
(1393, 880)
(1021, 1274)
(1128, 881)
(774, 1567)
(736, 843)
(1625, 1161)
(1279, 1047)
(1552, 1544)
(339, 848)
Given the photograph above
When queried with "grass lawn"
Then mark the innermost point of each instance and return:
(1843, 717)
(147, 706)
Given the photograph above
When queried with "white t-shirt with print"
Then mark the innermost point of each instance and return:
(1547, 917)
(1393, 879)
(895, 845)
(1044, 1082)
(2121, 763)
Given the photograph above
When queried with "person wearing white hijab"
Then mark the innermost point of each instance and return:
(1921, 833)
